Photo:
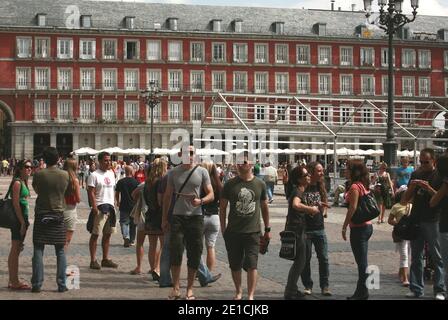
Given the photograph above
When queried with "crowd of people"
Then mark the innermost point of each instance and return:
(182, 207)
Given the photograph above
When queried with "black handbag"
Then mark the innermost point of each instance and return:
(367, 209)
(288, 248)
(406, 228)
(8, 218)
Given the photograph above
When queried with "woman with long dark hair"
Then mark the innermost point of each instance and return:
(295, 221)
(358, 174)
(72, 198)
(20, 193)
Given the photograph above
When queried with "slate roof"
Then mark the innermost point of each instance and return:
(110, 15)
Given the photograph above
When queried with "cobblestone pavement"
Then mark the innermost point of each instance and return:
(119, 284)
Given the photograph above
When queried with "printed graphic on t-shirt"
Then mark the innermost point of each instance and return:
(312, 198)
(245, 205)
(107, 181)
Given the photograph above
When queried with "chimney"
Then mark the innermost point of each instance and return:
(332, 5)
(353, 6)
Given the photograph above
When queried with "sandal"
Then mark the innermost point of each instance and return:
(174, 297)
(135, 272)
(192, 297)
(22, 286)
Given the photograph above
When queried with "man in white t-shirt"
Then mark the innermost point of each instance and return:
(101, 191)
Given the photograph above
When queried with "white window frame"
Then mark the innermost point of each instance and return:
(215, 88)
(261, 56)
(445, 59)
(175, 84)
(446, 87)
(424, 62)
(197, 54)
(109, 57)
(300, 55)
(42, 110)
(87, 55)
(321, 84)
(111, 84)
(281, 53)
(385, 58)
(175, 116)
(261, 117)
(346, 59)
(346, 89)
(131, 79)
(221, 56)
(280, 114)
(65, 110)
(345, 112)
(384, 88)
(328, 108)
(303, 89)
(282, 82)
(174, 55)
(301, 112)
(196, 111)
(367, 57)
(237, 84)
(153, 50)
(367, 115)
(87, 83)
(84, 114)
(324, 60)
(240, 53)
(125, 49)
(23, 78)
(404, 58)
(111, 114)
(65, 81)
(424, 86)
(47, 82)
(261, 84)
(241, 111)
(367, 90)
(195, 77)
(407, 114)
(42, 47)
(408, 87)
(157, 114)
(219, 111)
(68, 49)
(154, 75)
(24, 47)
(131, 111)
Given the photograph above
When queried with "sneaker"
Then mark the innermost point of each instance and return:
(95, 265)
(109, 264)
(35, 290)
(307, 291)
(62, 289)
(132, 243)
(296, 296)
(213, 279)
(326, 292)
(127, 243)
(413, 295)
(439, 296)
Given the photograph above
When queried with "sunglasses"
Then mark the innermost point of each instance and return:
(28, 167)
(425, 162)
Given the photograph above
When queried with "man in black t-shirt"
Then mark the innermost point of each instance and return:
(123, 198)
(422, 186)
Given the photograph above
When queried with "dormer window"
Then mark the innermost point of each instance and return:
(41, 19)
(320, 29)
(217, 25)
(238, 25)
(279, 27)
(86, 21)
(129, 22)
(172, 24)
(443, 34)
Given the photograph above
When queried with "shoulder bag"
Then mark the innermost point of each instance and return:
(366, 210)
(406, 229)
(8, 218)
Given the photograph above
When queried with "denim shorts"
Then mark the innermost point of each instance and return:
(211, 229)
(242, 250)
(186, 232)
(15, 232)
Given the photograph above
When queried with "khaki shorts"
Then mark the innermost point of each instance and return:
(101, 223)
(70, 218)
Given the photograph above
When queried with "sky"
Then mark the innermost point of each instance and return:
(427, 7)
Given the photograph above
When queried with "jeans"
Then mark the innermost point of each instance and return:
(204, 274)
(359, 241)
(165, 262)
(429, 231)
(317, 238)
(443, 238)
(38, 266)
(297, 267)
(270, 190)
(128, 228)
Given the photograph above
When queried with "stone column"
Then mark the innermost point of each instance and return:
(165, 140)
(28, 145)
(142, 137)
(53, 139)
(120, 141)
(98, 141)
(75, 141)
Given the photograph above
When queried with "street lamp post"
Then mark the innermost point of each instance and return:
(151, 98)
(390, 20)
